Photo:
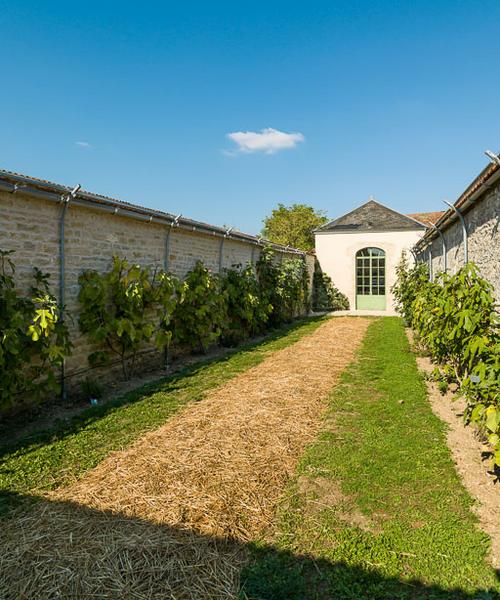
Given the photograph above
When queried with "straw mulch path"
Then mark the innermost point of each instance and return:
(169, 517)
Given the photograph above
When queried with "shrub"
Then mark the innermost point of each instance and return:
(284, 286)
(481, 389)
(200, 314)
(33, 338)
(455, 319)
(267, 276)
(293, 288)
(247, 311)
(409, 282)
(325, 296)
(125, 308)
(129, 306)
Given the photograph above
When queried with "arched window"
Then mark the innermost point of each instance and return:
(370, 279)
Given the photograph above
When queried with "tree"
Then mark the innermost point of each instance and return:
(293, 225)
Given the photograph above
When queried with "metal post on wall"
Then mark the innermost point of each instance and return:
(464, 230)
(429, 250)
(62, 272)
(495, 158)
(443, 241)
(221, 247)
(259, 241)
(173, 224)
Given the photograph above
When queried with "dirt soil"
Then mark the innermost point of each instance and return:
(170, 516)
(469, 456)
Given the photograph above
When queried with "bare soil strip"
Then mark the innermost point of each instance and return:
(169, 517)
(467, 451)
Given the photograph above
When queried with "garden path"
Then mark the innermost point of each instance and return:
(169, 516)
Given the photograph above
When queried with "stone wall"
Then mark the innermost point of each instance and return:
(30, 227)
(483, 229)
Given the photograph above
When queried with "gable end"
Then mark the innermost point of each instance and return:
(372, 216)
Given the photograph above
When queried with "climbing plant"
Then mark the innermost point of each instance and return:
(34, 338)
(481, 388)
(293, 287)
(325, 296)
(125, 308)
(200, 314)
(267, 276)
(247, 310)
(456, 321)
(409, 281)
(283, 285)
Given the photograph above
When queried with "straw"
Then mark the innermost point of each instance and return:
(170, 516)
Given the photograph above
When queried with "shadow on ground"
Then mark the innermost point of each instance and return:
(52, 549)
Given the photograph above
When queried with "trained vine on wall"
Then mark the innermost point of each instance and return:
(129, 306)
(284, 286)
(125, 308)
(247, 311)
(130, 309)
(34, 338)
(199, 316)
(456, 320)
(325, 296)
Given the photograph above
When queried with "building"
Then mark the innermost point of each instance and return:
(361, 249)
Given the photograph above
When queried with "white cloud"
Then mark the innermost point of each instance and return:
(266, 140)
(83, 144)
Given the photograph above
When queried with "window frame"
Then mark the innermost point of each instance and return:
(370, 272)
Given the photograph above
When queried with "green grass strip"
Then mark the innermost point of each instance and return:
(54, 457)
(377, 509)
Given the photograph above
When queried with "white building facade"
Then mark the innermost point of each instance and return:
(361, 249)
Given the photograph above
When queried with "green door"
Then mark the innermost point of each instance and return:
(370, 279)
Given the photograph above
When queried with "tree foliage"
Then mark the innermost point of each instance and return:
(293, 225)
(33, 338)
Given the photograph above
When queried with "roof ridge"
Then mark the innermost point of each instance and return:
(371, 201)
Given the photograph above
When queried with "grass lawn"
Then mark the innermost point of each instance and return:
(55, 457)
(376, 509)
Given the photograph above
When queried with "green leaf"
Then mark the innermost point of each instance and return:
(492, 418)
(494, 439)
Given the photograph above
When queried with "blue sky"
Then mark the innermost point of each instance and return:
(394, 99)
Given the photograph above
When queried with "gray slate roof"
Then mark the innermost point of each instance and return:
(371, 216)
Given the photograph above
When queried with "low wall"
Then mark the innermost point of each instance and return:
(31, 227)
